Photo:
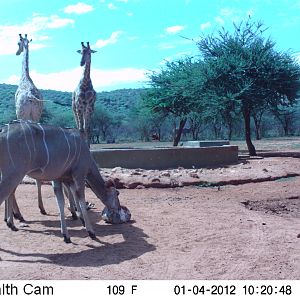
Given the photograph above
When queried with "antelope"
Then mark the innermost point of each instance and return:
(51, 153)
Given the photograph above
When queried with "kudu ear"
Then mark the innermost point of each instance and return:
(93, 51)
(79, 51)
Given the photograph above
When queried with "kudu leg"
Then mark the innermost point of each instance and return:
(8, 185)
(77, 189)
(40, 200)
(16, 211)
(69, 195)
(9, 216)
(57, 187)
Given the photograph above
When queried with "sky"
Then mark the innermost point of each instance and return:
(131, 37)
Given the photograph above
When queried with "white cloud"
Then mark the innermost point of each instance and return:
(9, 34)
(57, 22)
(67, 80)
(130, 14)
(113, 39)
(232, 15)
(174, 29)
(227, 12)
(125, 1)
(79, 8)
(111, 6)
(205, 25)
(219, 20)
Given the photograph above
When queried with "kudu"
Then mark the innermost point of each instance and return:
(54, 154)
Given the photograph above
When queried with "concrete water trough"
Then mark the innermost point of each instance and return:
(166, 158)
(206, 143)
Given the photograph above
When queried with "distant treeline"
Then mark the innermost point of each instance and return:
(121, 116)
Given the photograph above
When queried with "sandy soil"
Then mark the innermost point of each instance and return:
(221, 227)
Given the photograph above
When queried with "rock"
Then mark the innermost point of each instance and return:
(155, 180)
(136, 173)
(166, 174)
(140, 187)
(194, 175)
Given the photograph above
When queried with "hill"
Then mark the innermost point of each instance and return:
(58, 104)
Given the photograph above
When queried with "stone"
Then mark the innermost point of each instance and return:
(194, 175)
(166, 174)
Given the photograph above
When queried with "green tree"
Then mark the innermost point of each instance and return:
(101, 123)
(244, 67)
(175, 90)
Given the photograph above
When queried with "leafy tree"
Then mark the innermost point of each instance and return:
(244, 67)
(286, 117)
(175, 90)
(102, 122)
(198, 123)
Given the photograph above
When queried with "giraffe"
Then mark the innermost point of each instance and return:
(29, 104)
(84, 96)
(28, 99)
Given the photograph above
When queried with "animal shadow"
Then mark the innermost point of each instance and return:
(97, 252)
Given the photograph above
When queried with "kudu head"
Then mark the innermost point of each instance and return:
(113, 212)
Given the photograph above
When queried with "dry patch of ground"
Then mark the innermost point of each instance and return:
(240, 231)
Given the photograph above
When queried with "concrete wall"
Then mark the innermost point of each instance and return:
(206, 143)
(165, 158)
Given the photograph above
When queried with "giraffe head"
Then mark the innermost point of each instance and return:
(23, 43)
(85, 52)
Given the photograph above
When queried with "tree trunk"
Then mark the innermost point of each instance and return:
(247, 120)
(257, 124)
(286, 129)
(229, 130)
(179, 132)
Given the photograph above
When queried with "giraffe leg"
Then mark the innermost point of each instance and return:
(87, 125)
(79, 118)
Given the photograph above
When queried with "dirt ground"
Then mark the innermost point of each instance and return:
(234, 222)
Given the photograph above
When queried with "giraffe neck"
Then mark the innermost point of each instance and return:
(25, 64)
(87, 71)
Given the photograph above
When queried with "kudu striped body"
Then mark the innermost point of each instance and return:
(52, 154)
